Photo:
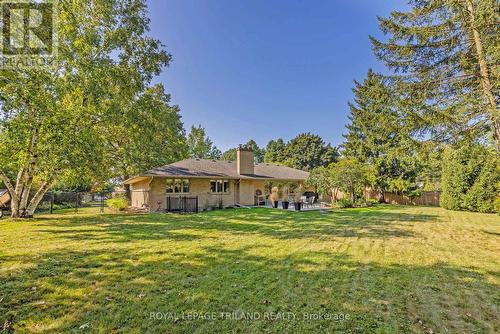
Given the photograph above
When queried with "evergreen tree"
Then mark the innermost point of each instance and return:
(275, 150)
(377, 135)
(258, 153)
(469, 178)
(445, 53)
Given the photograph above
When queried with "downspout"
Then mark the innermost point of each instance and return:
(236, 193)
(149, 192)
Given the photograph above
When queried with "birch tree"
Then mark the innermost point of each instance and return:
(53, 120)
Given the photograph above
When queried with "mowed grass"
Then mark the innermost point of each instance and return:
(386, 269)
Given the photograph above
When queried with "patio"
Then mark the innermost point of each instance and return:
(318, 206)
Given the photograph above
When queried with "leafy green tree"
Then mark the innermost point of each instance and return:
(57, 120)
(229, 155)
(150, 135)
(320, 178)
(258, 153)
(349, 175)
(445, 56)
(72, 181)
(275, 151)
(308, 151)
(469, 178)
(200, 145)
(377, 135)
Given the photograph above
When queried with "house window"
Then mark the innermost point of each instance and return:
(219, 186)
(177, 186)
(185, 186)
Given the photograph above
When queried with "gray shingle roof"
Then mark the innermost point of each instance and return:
(203, 168)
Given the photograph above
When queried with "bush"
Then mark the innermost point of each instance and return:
(119, 203)
(345, 203)
(497, 205)
(469, 178)
(363, 203)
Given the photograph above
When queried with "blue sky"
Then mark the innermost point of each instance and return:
(265, 69)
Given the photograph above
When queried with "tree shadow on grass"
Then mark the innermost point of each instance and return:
(117, 290)
(117, 228)
(125, 235)
(272, 223)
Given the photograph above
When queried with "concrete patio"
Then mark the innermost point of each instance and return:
(321, 206)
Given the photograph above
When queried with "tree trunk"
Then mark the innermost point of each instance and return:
(14, 197)
(21, 192)
(14, 208)
(484, 71)
(25, 194)
(128, 194)
(38, 197)
(17, 211)
(334, 192)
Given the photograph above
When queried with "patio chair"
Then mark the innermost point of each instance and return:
(309, 202)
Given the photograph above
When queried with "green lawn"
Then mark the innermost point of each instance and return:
(386, 269)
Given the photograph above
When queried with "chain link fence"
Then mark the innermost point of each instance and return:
(57, 200)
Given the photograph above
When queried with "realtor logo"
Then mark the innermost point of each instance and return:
(28, 33)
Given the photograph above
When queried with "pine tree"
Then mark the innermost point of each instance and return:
(378, 135)
(470, 176)
(275, 150)
(444, 54)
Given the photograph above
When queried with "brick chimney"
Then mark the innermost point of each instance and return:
(244, 160)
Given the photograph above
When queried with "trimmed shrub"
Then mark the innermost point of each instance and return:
(481, 196)
(119, 203)
(469, 178)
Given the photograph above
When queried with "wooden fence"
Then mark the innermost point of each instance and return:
(429, 198)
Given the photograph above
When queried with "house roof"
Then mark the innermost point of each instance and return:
(204, 168)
